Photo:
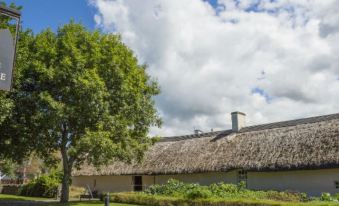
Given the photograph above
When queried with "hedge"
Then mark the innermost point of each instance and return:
(43, 186)
(154, 200)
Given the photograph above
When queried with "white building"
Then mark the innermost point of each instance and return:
(298, 155)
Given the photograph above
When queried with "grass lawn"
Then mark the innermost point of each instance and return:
(20, 198)
(91, 203)
(144, 199)
(4, 197)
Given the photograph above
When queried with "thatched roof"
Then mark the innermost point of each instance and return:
(298, 144)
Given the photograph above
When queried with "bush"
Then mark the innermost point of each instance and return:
(166, 189)
(198, 193)
(154, 200)
(336, 196)
(175, 188)
(325, 196)
(220, 189)
(43, 186)
(75, 192)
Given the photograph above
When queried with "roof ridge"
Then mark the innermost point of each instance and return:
(191, 136)
(293, 122)
(272, 125)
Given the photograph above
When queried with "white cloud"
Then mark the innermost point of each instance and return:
(274, 60)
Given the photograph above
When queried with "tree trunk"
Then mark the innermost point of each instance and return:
(65, 187)
(67, 169)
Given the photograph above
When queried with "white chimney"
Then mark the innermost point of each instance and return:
(238, 121)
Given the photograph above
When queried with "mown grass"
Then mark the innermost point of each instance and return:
(20, 198)
(158, 200)
(5, 197)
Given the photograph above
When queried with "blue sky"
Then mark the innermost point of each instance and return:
(40, 14)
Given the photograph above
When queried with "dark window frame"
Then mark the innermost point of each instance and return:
(137, 183)
(336, 184)
(242, 176)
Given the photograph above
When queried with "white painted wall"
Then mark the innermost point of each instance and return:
(125, 182)
(104, 183)
(313, 182)
(201, 178)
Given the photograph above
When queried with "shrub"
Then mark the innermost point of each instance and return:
(43, 186)
(242, 185)
(336, 196)
(220, 189)
(75, 192)
(325, 196)
(198, 193)
(285, 196)
(154, 200)
(175, 188)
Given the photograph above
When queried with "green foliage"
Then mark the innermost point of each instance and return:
(43, 186)
(156, 200)
(336, 196)
(242, 185)
(175, 188)
(7, 167)
(56, 175)
(222, 190)
(87, 94)
(171, 188)
(199, 193)
(82, 94)
(325, 196)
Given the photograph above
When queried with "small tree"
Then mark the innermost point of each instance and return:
(84, 94)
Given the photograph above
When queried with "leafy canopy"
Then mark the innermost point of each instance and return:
(88, 93)
(83, 94)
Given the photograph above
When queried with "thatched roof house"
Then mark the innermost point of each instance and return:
(303, 144)
(298, 144)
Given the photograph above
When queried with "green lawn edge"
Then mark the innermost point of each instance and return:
(140, 198)
(7, 197)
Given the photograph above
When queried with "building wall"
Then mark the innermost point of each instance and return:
(104, 183)
(313, 182)
(125, 182)
(201, 178)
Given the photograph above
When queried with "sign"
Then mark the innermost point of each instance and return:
(6, 59)
(8, 48)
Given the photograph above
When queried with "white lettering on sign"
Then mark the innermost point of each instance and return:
(2, 76)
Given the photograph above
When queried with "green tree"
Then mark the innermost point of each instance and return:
(85, 95)
(7, 167)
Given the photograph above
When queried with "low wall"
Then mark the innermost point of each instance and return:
(9, 189)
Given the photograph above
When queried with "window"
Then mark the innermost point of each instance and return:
(336, 184)
(242, 177)
(137, 183)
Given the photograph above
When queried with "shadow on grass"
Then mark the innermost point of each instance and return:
(77, 203)
(21, 200)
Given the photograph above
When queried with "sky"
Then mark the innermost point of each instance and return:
(271, 59)
(41, 14)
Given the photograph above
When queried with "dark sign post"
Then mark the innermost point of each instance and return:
(8, 49)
